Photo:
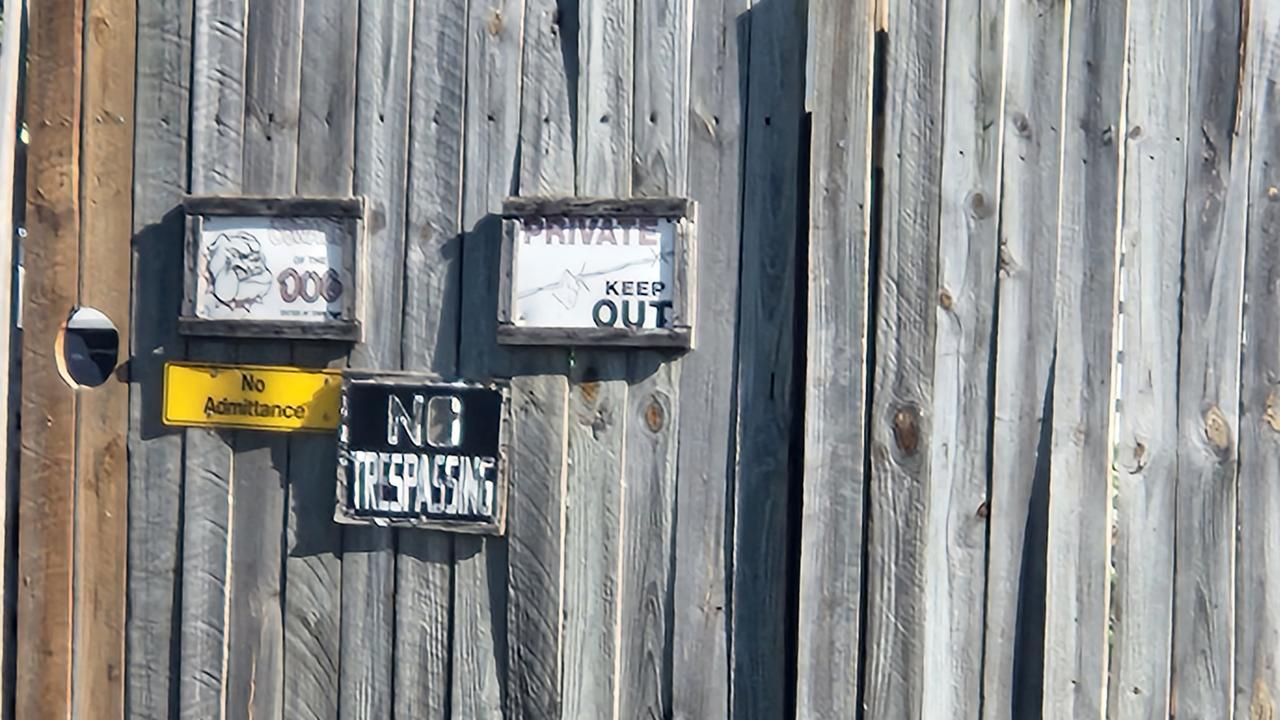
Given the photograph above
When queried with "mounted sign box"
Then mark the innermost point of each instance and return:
(273, 267)
(582, 272)
(251, 397)
(416, 452)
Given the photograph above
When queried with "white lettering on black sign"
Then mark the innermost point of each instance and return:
(421, 453)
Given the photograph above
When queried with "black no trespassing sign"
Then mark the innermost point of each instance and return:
(416, 452)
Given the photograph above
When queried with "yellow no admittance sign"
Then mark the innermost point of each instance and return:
(283, 399)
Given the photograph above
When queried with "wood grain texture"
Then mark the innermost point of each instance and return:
(430, 322)
(1257, 611)
(1077, 594)
(1027, 270)
(103, 416)
(701, 585)
(828, 632)
(47, 493)
(956, 530)
(313, 562)
(1147, 434)
(906, 496)
(1219, 117)
(381, 166)
(773, 126)
(495, 36)
(1257, 604)
(539, 392)
(254, 683)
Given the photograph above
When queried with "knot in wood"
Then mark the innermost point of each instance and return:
(655, 416)
(1272, 415)
(1273, 193)
(978, 206)
(1216, 429)
(1135, 132)
(984, 510)
(945, 300)
(906, 430)
(1021, 125)
(495, 22)
(590, 391)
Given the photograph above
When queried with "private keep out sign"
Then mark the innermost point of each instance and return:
(597, 272)
(414, 452)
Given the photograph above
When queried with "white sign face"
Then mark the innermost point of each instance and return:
(593, 273)
(271, 268)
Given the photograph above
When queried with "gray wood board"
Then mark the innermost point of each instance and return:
(1209, 363)
(430, 326)
(1077, 593)
(708, 394)
(1147, 418)
(906, 499)
(766, 354)
(383, 60)
(1030, 180)
(659, 167)
(1257, 606)
(217, 127)
(828, 632)
(539, 394)
(162, 110)
(313, 564)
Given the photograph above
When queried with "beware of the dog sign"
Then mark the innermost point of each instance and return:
(417, 452)
(597, 272)
(263, 267)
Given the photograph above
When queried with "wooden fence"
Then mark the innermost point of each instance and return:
(980, 422)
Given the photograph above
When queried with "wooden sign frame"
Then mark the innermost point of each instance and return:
(680, 333)
(348, 212)
(343, 512)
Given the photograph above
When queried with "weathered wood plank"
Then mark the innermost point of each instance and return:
(254, 683)
(1150, 276)
(766, 353)
(1077, 594)
(904, 492)
(1257, 679)
(382, 136)
(313, 564)
(1209, 364)
(155, 455)
(701, 595)
(495, 34)
(828, 633)
(955, 533)
(47, 493)
(659, 167)
(598, 389)
(433, 260)
(102, 422)
(539, 393)
(1030, 172)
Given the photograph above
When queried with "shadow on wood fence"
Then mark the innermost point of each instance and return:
(980, 423)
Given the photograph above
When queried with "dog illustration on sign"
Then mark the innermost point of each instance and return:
(236, 271)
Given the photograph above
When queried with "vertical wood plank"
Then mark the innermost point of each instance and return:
(701, 585)
(1257, 628)
(381, 159)
(828, 633)
(539, 393)
(766, 354)
(102, 419)
(906, 496)
(47, 493)
(598, 391)
(313, 563)
(1209, 364)
(1151, 276)
(1030, 172)
(495, 36)
(255, 634)
(956, 528)
(217, 134)
(161, 115)
(433, 260)
(1079, 568)
(659, 167)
